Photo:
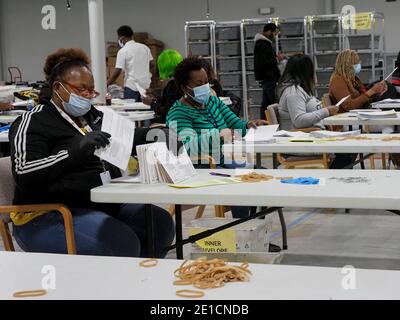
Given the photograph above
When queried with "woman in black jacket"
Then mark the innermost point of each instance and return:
(53, 161)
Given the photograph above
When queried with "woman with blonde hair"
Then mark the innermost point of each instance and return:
(345, 81)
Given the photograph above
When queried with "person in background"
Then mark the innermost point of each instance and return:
(166, 64)
(345, 81)
(216, 88)
(396, 76)
(135, 60)
(298, 107)
(202, 121)
(53, 161)
(266, 65)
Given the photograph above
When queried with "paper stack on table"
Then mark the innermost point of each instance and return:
(334, 134)
(377, 115)
(387, 104)
(159, 165)
(263, 134)
(291, 134)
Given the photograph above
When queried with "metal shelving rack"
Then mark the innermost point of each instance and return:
(370, 45)
(326, 37)
(200, 40)
(228, 57)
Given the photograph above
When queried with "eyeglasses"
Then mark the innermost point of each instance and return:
(82, 91)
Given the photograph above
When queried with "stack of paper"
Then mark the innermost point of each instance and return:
(364, 110)
(377, 115)
(333, 134)
(387, 104)
(261, 134)
(291, 134)
(159, 165)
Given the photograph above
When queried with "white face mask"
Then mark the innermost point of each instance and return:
(120, 43)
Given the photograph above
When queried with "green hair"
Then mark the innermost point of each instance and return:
(167, 62)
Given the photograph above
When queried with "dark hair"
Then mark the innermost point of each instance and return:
(125, 31)
(270, 27)
(208, 68)
(183, 69)
(300, 72)
(60, 62)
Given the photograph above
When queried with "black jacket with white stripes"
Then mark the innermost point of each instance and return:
(48, 166)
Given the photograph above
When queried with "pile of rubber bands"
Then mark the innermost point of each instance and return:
(207, 274)
(257, 177)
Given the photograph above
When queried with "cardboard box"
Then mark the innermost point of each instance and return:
(112, 49)
(140, 36)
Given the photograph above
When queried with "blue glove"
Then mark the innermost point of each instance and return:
(301, 180)
(5, 128)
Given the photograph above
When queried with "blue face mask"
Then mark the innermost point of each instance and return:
(202, 93)
(357, 68)
(77, 106)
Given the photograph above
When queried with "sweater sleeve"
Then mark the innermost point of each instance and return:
(338, 89)
(231, 119)
(297, 107)
(195, 144)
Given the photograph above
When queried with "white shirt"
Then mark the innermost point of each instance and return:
(134, 58)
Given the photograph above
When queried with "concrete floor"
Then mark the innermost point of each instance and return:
(319, 237)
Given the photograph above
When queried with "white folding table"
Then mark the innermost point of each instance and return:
(108, 278)
(358, 189)
(284, 145)
(348, 119)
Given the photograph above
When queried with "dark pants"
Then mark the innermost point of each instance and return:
(342, 160)
(131, 94)
(115, 230)
(269, 96)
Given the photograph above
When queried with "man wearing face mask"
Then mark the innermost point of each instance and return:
(266, 65)
(345, 81)
(53, 161)
(136, 61)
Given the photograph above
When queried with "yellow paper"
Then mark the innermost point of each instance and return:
(207, 183)
(223, 241)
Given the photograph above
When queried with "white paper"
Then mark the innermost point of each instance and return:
(380, 114)
(141, 90)
(333, 134)
(261, 134)
(127, 179)
(291, 134)
(390, 74)
(122, 131)
(343, 100)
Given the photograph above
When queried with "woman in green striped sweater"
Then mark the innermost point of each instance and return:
(202, 121)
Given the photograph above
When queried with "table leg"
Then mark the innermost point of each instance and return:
(258, 160)
(362, 164)
(178, 231)
(150, 230)
(275, 161)
(284, 229)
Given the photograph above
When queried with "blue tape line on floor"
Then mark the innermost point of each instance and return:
(294, 223)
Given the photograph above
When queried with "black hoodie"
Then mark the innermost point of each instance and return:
(265, 61)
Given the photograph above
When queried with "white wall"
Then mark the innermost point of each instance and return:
(26, 44)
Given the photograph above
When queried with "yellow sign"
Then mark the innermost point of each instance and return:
(223, 241)
(358, 21)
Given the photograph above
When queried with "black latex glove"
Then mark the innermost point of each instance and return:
(94, 140)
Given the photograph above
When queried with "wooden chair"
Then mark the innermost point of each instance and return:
(291, 162)
(6, 196)
(219, 210)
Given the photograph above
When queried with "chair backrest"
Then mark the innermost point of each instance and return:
(326, 100)
(15, 74)
(272, 114)
(7, 185)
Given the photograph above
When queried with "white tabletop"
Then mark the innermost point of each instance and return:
(8, 118)
(127, 106)
(91, 277)
(348, 119)
(283, 145)
(376, 193)
(4, 136)
(139, 115)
